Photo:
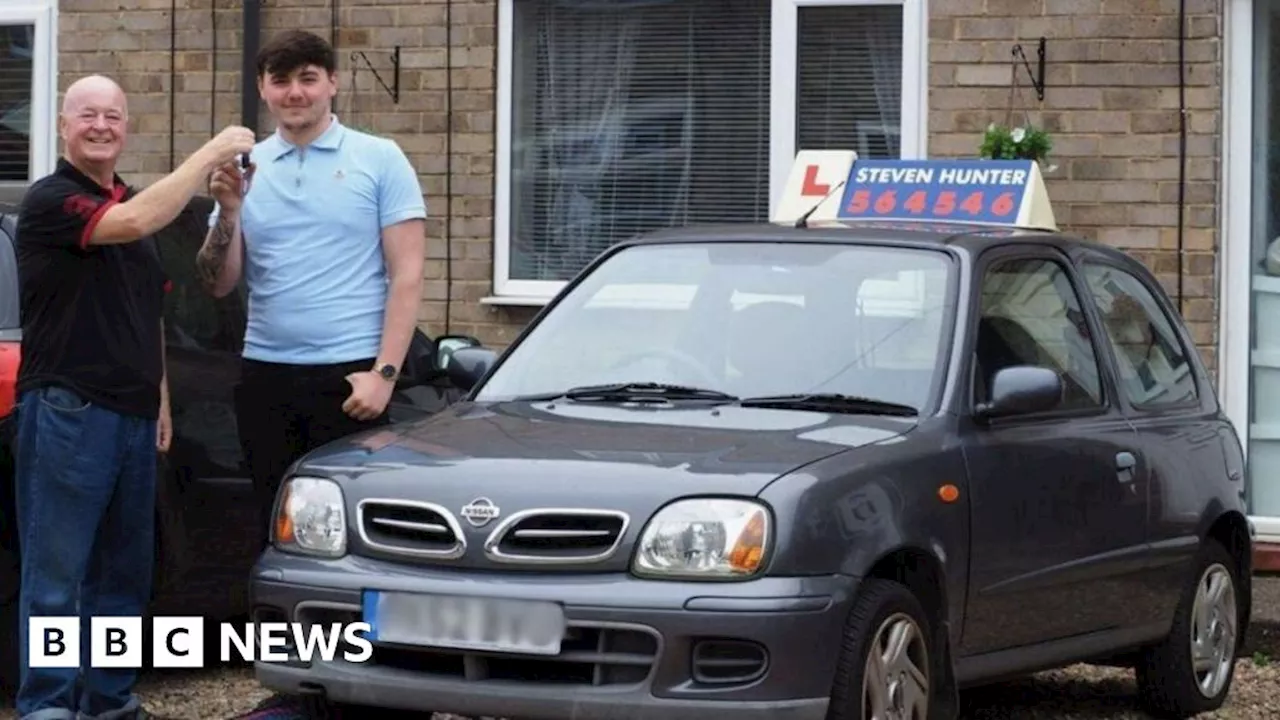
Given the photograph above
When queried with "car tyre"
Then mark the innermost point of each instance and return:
(318, 707)
(1206, 625)
(887, 657)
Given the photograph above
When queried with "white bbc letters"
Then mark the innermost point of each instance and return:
(115, 642)
(53, 642)
(178, 642)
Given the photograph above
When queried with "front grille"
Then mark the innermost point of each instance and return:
(410, 528)
(548, 536)
(590, 655)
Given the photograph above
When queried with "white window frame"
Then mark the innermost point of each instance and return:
(1241, 98)
(43, 15)
(784, 48)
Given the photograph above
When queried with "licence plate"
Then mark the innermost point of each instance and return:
(465, 623)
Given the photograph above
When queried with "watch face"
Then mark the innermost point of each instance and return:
(387, 371)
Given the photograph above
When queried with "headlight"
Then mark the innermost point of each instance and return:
(311, 518)
(706, 538)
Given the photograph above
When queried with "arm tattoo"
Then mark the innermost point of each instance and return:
(213, 254)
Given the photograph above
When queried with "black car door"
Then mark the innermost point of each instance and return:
(1058, 513)
(423, 388)
(206, 501)
(1167, 395)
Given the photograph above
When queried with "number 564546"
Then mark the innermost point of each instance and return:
(919, 202)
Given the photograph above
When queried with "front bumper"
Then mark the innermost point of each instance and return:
(635, 649)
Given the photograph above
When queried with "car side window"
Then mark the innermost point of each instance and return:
(1154, 366)
(1031, 315)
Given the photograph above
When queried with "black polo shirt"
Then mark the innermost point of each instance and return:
(90, 313)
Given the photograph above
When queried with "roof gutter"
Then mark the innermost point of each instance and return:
(249, 101)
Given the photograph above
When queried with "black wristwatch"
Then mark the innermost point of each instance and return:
(388, 372)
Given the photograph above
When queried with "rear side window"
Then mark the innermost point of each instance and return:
(9, 318)
(1155, 368)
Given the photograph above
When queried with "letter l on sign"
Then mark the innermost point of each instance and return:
(811, 186)
(813, 175)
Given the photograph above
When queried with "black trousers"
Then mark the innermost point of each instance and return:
(284, 412)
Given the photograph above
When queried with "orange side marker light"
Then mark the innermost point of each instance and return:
(284, 522)
(949, 493)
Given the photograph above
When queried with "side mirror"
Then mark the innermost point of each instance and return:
(419, 361)
(447, 345)
(1022, 390)
(468, 364)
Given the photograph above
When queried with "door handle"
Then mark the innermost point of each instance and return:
(1125, 462)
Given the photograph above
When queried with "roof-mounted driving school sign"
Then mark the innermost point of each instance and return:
(834, 185)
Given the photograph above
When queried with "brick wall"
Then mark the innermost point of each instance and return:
(130, 40)
(1111, 104)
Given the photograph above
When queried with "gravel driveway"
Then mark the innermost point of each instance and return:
(1077, 693)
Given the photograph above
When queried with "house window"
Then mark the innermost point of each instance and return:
(27, 90)
(620, 118)
(849, 79)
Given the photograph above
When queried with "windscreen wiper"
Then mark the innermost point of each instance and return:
(833, 402)
(635, 391)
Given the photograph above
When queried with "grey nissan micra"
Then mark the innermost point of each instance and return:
(797, 470)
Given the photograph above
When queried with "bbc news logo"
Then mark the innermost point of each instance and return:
(179, 642)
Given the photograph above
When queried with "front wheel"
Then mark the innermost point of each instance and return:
(1191, 671)
(885, 671)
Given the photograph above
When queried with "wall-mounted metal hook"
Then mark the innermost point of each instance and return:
(1037, 78)
(394, 89)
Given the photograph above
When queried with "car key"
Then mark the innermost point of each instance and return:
(244, 174)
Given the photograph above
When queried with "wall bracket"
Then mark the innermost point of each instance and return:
(1037, 78)
(394, 89)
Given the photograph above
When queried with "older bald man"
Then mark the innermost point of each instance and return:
(92, 401)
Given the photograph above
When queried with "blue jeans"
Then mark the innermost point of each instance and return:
(85, 481)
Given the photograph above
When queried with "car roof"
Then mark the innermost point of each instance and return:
(965, 238)
(11, 198)
(10, 203)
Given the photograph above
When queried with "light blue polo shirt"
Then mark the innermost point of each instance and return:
(312, 226)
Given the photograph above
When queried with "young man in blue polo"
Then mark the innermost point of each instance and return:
(326, 227)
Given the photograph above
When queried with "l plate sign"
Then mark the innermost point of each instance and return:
(465, 623)
(814, 177)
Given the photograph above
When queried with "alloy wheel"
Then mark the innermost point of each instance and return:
(1214, 625)
(895, 684)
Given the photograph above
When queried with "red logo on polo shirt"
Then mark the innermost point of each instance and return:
(82, 205)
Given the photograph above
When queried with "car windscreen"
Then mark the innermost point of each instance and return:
(748, 319)
(8, 277)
